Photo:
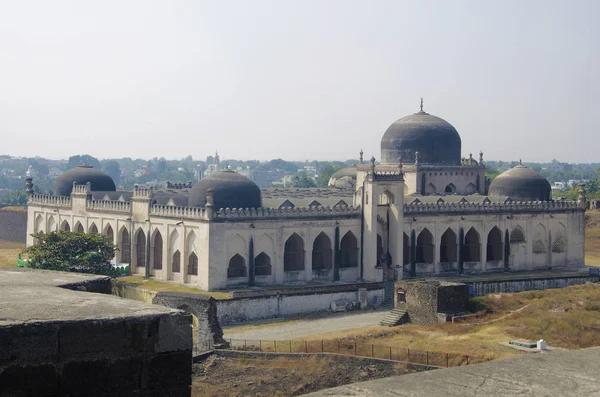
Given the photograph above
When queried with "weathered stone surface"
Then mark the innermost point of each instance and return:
(56, 341)
(560, 373)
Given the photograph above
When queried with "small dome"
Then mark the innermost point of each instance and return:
(230, 190)
(82, 174)
(345, 177)
(521, 184)
(436, 140)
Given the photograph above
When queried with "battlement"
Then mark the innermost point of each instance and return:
(505, 207)
(144, 193)
(51, 201)
(178, 212)
(297, 212)
(82, 189)
(109, 205)
(383, 175)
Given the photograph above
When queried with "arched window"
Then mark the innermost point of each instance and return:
(448, 248)
(494, 245)
(517, 235)
(472, 247)
(559, 244)
(140, 249)
(322, 256)
(65, 226)
(262, 265)
(51, 225)
(237, 267)
(110, 235)
(93, 229)
(405, 249)
(539, 247)
(158, 251)
(193, 264)
(450, 189)
(125, 247)
(176, 264)
(430, 189)
(348, 251)
(293, 256)
(386, 198)
(39, 224)
(425, 247)
(78, 228)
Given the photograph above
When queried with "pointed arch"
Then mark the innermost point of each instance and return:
(386, 197)
(322, 255)
(293, 256)
(237, 267)
(559, 244)
(538, 247)
(430, 189)
(472, 246)
(450, 189)
(125, 243)
(51, 224)
(425, 247)
(78, 227)
(157, 253)
(262, 265)
(93, 229)
(109, 233)
(348, 250)
(39, 224)
(494, 245)
(64, 226)
(448, 247)
(517, 235)
(470, 188)
(193, 264)
(176, 262)
(140, 248)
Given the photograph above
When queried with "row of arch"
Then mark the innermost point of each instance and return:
(470, 245)
(450, 188)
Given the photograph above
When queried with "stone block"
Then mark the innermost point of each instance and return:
(29, 380)
(174, 333)
(125, 374)
(143, 334)
(84, 378)
(28, 342)
(168, 370)
(104, 336)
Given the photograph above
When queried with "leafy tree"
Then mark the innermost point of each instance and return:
(79, 159)
(324, 174)
(302, 181)
(14, 197)
(112, 168)
(71, 252)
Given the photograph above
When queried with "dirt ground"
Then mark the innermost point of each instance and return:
(281, 376)
(592, 238)
(9, 252)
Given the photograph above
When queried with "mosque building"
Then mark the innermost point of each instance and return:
(422, 212)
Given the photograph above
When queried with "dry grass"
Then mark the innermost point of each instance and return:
(154, 285)
(9, 252)
(567, 318)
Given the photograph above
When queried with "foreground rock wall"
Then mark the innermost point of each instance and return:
(13, 226)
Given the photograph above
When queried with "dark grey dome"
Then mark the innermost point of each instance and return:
(349, 173)
(436, 140)
(230, 190)
(521, 184)
(82, 174)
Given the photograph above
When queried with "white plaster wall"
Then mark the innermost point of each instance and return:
(248, 309)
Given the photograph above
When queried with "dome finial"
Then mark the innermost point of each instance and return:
(361, 156)
(421, 104)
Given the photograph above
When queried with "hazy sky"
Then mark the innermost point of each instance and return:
(297, 79)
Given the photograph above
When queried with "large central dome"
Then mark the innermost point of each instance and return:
(436, 140)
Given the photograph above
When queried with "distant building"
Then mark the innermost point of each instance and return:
(263, 179)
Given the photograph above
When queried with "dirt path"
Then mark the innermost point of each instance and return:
(298, 328)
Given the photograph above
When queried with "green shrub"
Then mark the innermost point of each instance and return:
(477, 304)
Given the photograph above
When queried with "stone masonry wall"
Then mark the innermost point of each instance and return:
(13, 226)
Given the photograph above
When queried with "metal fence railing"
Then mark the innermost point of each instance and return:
(337, 346)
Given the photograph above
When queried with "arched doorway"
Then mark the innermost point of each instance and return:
(472, 246)
(425, 247)
(494, 245)
(237, 267)
(349, 251)
(448, 250)
(157, 252)
(322, 255)
(125, 247)
(293, 256)
(262, 265)
(140, 249)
